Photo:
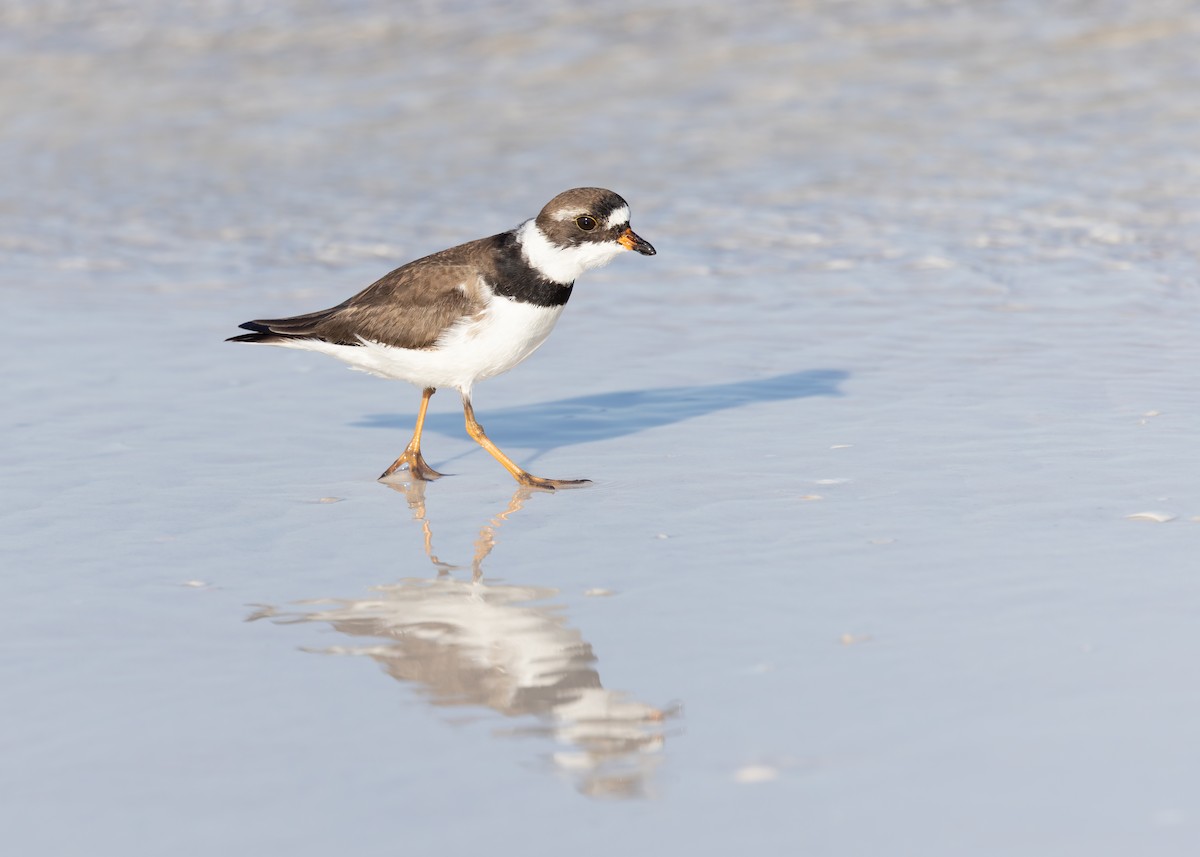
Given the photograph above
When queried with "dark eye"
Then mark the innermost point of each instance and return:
(585, 222)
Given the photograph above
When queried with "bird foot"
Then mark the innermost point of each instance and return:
(416, 466)
(531, 481)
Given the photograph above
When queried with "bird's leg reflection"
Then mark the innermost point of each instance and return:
(414, 494)
(487, 535)
(501, 646)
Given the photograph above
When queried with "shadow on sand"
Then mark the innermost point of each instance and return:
(584, 419)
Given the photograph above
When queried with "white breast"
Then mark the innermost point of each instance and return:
(503, 334)
(499, 338)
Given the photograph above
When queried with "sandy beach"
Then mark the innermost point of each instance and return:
(892, 539)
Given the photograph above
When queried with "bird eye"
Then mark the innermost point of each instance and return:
(585, 222)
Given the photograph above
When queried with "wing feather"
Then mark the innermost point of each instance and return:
(407, 308)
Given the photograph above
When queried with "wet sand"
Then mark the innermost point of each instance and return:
(892, 536)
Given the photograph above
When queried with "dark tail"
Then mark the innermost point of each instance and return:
(262, 333)
(261, 337)
(273, 330)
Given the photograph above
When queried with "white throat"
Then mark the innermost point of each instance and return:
(562, 265)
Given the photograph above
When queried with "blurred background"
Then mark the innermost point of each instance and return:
(206, 141)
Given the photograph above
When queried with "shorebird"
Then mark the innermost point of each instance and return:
(467, 313)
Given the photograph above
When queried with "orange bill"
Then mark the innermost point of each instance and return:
(630, 240)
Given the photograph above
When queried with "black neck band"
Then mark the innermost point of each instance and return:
(517, 279)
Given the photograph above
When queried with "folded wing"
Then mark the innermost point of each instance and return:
(408, 308)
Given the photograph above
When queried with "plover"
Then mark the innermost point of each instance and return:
(467, 313)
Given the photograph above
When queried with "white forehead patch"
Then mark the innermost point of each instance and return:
(616, 218)
(621, 215)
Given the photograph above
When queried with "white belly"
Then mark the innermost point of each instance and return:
(499, 338)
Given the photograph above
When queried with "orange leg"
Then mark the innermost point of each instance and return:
(412, 453)
(475, 430)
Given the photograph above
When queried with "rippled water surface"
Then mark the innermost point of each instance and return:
(892, 540)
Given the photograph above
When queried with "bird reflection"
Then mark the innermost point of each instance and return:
(503, 646)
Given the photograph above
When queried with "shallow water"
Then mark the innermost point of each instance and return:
(892, 536)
